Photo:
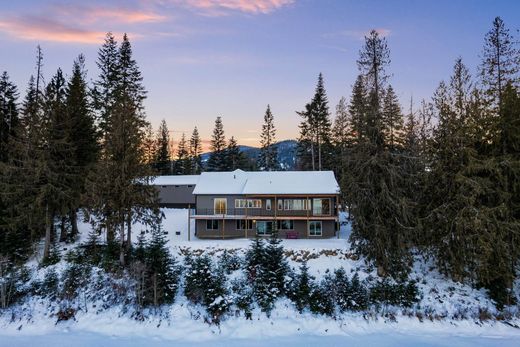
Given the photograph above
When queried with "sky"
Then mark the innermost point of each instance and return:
(206, 58)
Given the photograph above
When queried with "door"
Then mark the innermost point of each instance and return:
(220, 205)
(264, 228)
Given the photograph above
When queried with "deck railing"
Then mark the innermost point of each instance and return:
(260, 212)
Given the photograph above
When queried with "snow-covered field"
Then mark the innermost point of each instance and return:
(449, 313)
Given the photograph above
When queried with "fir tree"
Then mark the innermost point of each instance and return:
(234, 158)
(500, 63)
(183, 160)
(392, 120)
(268, 157)
(315, 132)
(217, 158)
(195, 152)
(8, 113)
(163, 157)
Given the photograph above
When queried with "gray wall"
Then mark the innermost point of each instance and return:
(230, 231)
(176, 195)
(205, 205)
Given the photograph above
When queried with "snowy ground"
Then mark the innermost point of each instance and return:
(449, 311)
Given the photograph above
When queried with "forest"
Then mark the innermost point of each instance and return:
(438, 180)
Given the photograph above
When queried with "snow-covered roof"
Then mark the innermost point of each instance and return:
(267, 182)
(176, 180)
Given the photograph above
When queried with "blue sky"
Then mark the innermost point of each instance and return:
(204, 58)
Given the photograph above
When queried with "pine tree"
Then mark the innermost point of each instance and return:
(315, 132)
(217, 158)
(183, 159)
(268, 157)
(82, 135)
(378, 179)
(499, 63)
(163, 157)
(195, 152)
(104, 92)
(121, 194)
(302, 288)
(392, 120)
(234, 158)
(8, 113)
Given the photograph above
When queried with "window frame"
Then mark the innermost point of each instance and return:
(247, 222)
(315, 222)
(213, 221)
(279, 225)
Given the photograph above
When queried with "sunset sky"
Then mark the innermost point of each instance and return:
(204, 58)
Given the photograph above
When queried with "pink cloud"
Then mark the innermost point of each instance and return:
(220, 7)
(31, 28)
(93, 14)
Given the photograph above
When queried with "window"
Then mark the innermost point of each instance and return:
(295, 204)
(249, 203)
(242, 223)
(315, 228)
(264, 227)
(321, 207)
(190, 186)
(285, 224)
(280, 204)
(212, 224)
(220, 205)
(268, 204)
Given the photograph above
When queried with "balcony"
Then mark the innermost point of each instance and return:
(259, 213)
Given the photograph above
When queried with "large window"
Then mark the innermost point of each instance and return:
(264, 227)
(268, 204)
(296, 204)
(220, 205)
(321, 207)
(315, 228)
(242, 223)
(280, 204)
(249, 203)
(212, 224)
(285, 224)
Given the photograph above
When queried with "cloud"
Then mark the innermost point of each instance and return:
(70, 23)
(359, 34)
(37, 28)
(96, 14)
(223, 7)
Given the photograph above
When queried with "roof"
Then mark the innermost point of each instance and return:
(176, 180)
(267, 182)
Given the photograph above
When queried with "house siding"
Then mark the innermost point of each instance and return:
(227, 229)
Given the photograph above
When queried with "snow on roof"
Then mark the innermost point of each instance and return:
(267, 182)
(176, 180)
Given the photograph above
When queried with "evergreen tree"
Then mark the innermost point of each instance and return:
(499, 63)
(183, 159)
(268, 157)
(150, 147)
(234, 158)
(217, 159)
(315, 128)
(392, 120)
(8, 113)
(378, 179)
(195, 152)
(163, 157)
(104, 92)
(83, 137)
(121, 194)
(302, 288)
(357, 108)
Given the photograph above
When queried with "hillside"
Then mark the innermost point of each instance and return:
(286, 153)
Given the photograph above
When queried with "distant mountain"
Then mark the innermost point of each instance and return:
(286, 153)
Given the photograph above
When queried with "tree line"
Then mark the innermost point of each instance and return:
(440, 180)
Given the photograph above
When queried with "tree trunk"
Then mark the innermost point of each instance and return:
(122, 241)
(129, 231)
(48, 223)
(63, 230)
(74, 223)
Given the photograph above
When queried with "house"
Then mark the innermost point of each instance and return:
(176, 191)
(295, 204)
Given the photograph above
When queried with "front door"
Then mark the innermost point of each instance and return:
(264, 227)
(220, 205)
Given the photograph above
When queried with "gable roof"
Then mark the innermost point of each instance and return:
(175, 180)
(267, 182)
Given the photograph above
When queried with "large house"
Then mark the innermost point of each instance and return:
(294, 204)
